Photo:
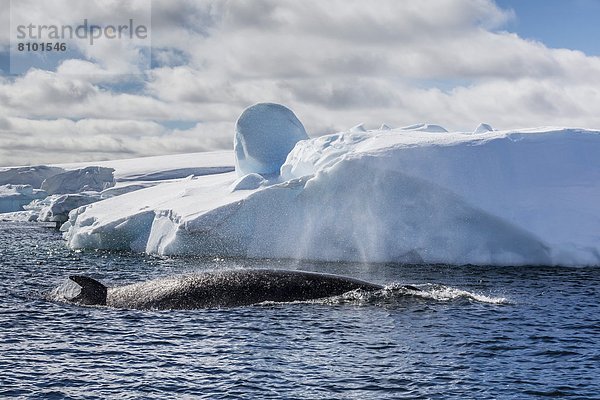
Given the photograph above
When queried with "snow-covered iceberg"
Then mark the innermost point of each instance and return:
(82, 183)
(433, 128)
(407, 195)
(483, 128)
(14, 197)
(20, 185)
(32, 176)
(85, 179)
(57, 207)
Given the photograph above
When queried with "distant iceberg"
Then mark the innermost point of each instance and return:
(402, 195)
(83, 184)
(21, 185)
(61, 191)
(425, 128)
(32, 176)
(15, 197)
(85, 179)
(56, 208)
(483, 128)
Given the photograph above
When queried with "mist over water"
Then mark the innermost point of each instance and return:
(469, 332)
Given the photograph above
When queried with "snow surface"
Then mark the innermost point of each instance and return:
(165, 167)
(264, 135)
(500, 198)
(122, 188)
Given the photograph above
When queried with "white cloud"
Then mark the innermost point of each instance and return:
(336, 63)
(24, 141)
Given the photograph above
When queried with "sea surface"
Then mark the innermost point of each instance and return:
(471, 333)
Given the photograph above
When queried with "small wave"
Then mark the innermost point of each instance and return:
(448, 293)
(63, 293)
(396, 293)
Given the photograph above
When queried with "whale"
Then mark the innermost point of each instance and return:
(217, 289)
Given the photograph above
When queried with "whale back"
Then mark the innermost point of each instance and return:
(232, 289)
(92, 292)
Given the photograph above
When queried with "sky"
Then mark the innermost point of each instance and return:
(571, 24)
(335, 63)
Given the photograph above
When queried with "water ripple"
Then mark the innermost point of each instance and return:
(467, 332)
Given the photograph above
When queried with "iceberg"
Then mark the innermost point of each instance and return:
(79, 180)
(425, 128)
(85, 181)
(33, 176)
(19, 216)
(483, 128)
(56, 208)
(14, 197)
(515, 197)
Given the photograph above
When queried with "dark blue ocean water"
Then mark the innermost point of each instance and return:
(479, 332)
